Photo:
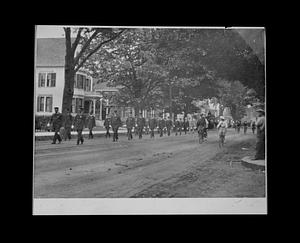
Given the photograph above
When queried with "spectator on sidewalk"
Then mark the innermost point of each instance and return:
(169, 125)
(260, 144)
(152, 126)
(56, 121)
(130, 123)
(140, 125)
(245, 124)
(91, 123)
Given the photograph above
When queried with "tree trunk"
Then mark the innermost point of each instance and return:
(69, 81)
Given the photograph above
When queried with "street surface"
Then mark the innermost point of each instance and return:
(175, 166)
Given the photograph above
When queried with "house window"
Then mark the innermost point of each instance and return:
(42, 79)
(51, 78)
(88, 85)
(44, 103)
(79, 104)
(49, 104)
(80, 81)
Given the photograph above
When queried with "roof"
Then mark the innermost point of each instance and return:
(51, 51)
(104, 87)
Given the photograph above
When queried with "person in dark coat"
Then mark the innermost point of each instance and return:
(152, 126)
(177, 126)
(238, 126)
(91, 123)
(260, 133)
(146, 126)
(115, 124)
(79, 124)
(130, 123)
(185, 125)
(56, 120)
(107, 126)
(140, 125)
(161, 126)
(245, 124)
(68, 120)
(169, 125)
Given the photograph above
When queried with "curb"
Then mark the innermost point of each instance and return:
(253, 164)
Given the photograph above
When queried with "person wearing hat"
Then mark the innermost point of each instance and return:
(79, 123)
(130, 122)
(107, 126)
(56, 121)
(152, 126)
(260, 143)
(222, 127)
(202, 124)
(169, 125)
(115, 124)
(140, 125)
(91, 123)
(245, 124)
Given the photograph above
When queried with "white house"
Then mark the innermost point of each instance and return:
(49, 81)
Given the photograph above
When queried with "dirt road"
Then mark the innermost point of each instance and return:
(175, 166)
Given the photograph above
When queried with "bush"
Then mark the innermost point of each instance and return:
(41, 123)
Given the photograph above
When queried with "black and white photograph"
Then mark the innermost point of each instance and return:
(142, 120)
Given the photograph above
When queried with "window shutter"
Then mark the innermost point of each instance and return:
(38, 103)
(39, 80)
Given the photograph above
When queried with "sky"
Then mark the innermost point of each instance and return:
(48, 31)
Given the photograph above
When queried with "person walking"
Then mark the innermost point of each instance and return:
(68, 120)
(107, 126)
(152, 126)
(79, 123)
(115, 124)
(260, 143)
(185, 125)
(238, 126)
(245, 124)
(130, 123)
(222, 128)
(91, 123)
(202, 124)
(161, 126)
(140, 125)
(56, 121)
(169, 125)
(177, 126)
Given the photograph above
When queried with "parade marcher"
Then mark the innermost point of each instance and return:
(202, 123)
(177, 126)
(245, 124)
(130, 123)
(91, 123)
(107, 126)
(152, 126)
(56, 121)
(169, 125)
(161, 126)
(185, 125)
(79, 123)
(140, 125)
(260, 144)
(193, 124)
(238, 126)
(147, 126)
(115, 124)
(68, 120)
(253, 126)
(222, 127)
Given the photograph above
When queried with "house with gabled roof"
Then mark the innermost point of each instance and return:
(49, 81)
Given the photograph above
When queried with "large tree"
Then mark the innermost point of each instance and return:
(87, 42)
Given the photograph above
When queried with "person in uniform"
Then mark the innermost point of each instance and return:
(152, 126)
(79, 124)
(56, 120)
(140, 125)
(185, 125)
(177, 127)
(202, 123)
(115, 124)
(107, 126)
(130, 123)
(161, 126)
(238, 126)
(245, 124)
(169, 125)
(260, 143)
(91, 123)
(68, 120)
